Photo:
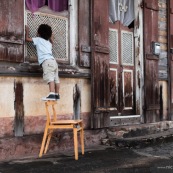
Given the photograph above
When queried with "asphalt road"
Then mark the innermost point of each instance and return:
(100, 159)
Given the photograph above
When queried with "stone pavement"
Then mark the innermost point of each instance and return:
(144, 148)
(101, 159)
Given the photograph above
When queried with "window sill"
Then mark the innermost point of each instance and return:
(34, 70)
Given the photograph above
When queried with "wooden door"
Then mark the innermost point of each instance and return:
(151, 85)
(122, 73)
(100, 64)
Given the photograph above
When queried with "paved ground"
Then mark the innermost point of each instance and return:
(102, 159)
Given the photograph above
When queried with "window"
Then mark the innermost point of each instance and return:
(59, 23)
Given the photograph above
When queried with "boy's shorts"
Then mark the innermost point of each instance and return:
(50, 71)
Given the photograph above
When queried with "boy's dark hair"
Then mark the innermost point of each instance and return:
(45, 31)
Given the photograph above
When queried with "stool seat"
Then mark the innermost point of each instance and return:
(67, 122)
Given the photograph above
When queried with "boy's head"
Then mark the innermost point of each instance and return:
(45, 31)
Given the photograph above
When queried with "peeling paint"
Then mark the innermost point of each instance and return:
(77, 101)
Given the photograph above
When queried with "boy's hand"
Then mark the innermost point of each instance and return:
(26, 28)
(27, 38)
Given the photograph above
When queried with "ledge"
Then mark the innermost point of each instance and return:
(34, 70)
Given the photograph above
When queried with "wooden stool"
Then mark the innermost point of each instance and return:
(52, 123)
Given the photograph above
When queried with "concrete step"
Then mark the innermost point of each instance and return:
(125, 120)
(124, 131)
(139, 135)
(143, 141)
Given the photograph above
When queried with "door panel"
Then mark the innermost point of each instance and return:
(128, 89)
(121, 70)
(113, 88)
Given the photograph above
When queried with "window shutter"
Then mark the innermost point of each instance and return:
(100, 64)
(84, 33)
(151, 91)
(12, 30)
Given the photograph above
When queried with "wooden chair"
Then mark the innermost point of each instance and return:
(52, 123)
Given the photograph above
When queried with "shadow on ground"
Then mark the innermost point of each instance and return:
(96, 160)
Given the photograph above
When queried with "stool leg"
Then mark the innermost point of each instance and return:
(43, 141)
(48, 141)
(75, 143)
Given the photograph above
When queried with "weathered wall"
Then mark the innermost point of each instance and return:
(163, 58)
(162, 25)
(34, 116)
(7, 97)
(34, 111)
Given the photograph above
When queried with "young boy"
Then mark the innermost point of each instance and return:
(43, 43)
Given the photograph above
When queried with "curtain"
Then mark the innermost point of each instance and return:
(122, 10)
(114, 10)
(34, 5)
(58, 5)
(55, 5)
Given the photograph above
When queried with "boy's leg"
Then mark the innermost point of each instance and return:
(51, 95)
(49, 67)
(57, 86)
(52, 87)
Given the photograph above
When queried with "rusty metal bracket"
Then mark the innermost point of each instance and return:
(144, 5)
(86, 48)
(102, 49)
(102, 109)
(11, 41)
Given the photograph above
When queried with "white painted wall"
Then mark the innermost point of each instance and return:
(7, 97)
(35, 88)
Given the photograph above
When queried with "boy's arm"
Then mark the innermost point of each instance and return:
(51, 39)
(27, 38)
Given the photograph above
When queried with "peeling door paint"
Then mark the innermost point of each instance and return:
(19, 109)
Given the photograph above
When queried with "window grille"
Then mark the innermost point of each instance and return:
(60, 33)
(113, 44)
(127, 48)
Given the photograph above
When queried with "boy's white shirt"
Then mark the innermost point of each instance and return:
(44, 49)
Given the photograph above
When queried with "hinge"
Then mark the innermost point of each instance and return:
(149, 6)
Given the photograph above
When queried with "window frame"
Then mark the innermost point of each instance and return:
(45, 12)
(70, 69)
